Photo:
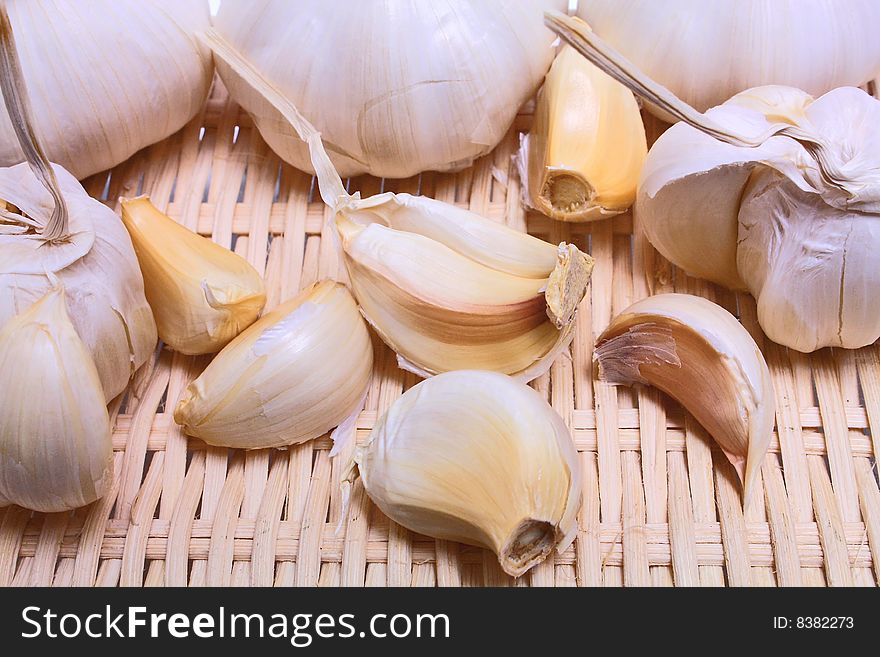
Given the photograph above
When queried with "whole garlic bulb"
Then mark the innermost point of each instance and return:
(107, 77)
(395, 87)
(705, 52)
(56, 452)
(480, 458)
(773, 191)
(97, 266)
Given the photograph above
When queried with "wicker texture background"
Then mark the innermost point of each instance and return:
(661, 504)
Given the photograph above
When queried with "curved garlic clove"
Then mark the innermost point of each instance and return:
(480, 458)
(581, 159)
(55, 439)
(202, 295)
(298, 372)
(699, 354)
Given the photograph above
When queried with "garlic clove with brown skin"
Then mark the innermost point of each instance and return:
(202, 294)
(480, 458)
(55, 438)
(700, 355)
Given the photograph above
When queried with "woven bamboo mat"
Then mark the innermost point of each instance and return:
(661, 504)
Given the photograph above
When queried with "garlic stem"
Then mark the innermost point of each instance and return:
(21, 115)
(578, 34)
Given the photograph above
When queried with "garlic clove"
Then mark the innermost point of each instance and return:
(582, 158)
(55, 439)
(299, 371)
(202, 294)
(699, 354)
(476, 457)
(459, 313)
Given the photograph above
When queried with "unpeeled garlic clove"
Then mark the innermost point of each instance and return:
(582, 158)
(55, 440)
(699, 354)
(448, 289)
(298, 372)
(480, 458)
(202, 295)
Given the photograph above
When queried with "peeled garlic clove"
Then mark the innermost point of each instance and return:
(582, 158)
(298, 372)
(202, 295)
(55, 440)
(479, 458)
(700, 355)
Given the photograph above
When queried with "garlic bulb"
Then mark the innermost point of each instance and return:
(774, 192)
(444, 287)
(705, 52)
(50, 227)
(696, 352)
(582, 158)
(55, 447)
(107, 77)
(479, 458)
(299, 371)
(202, 295)
(394, 87)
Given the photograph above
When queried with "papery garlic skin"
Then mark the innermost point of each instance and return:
(582, 157)
(479, 458)
(394, 87)
(299, 371)
(55, 440)
(104, 289)
(202, 294)
(126, 74)
(710, 51)
(699, 354)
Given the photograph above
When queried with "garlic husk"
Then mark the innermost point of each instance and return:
(713, 50)
(126, 74)
(202, 294)
(774, 192)
(700, 355)
(444, 287)
(55, 440)
(582, 158)
(57, 232)
(299, 371)
(393, 89)
(476, 457)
